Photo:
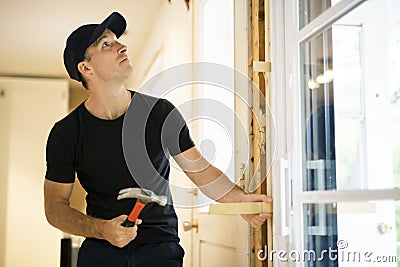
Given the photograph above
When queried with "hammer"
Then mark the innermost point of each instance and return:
(143, 197)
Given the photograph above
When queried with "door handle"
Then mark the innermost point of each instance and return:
(384, 228)
(285, 188)
(187, 226)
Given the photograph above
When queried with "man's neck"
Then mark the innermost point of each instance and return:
(108, 103)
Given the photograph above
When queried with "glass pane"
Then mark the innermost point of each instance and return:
(351, 234)
(310, 9)
(320, 233)
(350, 82)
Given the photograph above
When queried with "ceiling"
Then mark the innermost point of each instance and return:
(33, 32)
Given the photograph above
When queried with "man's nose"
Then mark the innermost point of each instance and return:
(122, 49)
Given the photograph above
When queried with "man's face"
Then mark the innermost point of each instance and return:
(108, 59)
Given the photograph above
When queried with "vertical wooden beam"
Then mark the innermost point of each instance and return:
(258, 54)
(269, 123)
(262, 143)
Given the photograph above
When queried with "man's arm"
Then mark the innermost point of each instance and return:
(61, 215)
(216, 185)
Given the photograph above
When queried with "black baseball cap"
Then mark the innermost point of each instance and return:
(84, 36)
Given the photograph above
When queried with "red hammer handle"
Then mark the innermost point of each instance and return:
(130, 221)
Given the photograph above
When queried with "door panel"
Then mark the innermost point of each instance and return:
(365, 234)
(226, 255)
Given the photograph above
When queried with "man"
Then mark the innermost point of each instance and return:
(88, 142)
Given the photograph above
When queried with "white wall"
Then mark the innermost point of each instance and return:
(171, 36)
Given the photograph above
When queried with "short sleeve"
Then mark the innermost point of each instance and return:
(175, 133)
(59, 158)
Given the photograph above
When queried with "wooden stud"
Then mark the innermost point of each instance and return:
(258, 54)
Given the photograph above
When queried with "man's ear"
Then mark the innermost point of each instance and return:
(84, 68)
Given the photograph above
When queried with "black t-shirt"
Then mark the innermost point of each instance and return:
(92, 148)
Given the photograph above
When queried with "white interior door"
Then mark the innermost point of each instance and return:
(29, 108)
(343, 83)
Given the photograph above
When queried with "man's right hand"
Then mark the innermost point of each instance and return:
(117, 234)
(61, 215)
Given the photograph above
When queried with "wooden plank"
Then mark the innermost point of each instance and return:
(240, 208)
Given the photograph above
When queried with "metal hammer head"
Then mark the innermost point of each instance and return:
(143, 195)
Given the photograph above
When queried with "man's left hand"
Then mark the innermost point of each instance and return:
(256, 220)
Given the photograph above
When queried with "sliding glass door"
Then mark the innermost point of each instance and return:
(344, 83)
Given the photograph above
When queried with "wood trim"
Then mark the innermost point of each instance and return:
(240, 208)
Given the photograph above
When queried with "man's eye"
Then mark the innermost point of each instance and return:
(105, 44)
